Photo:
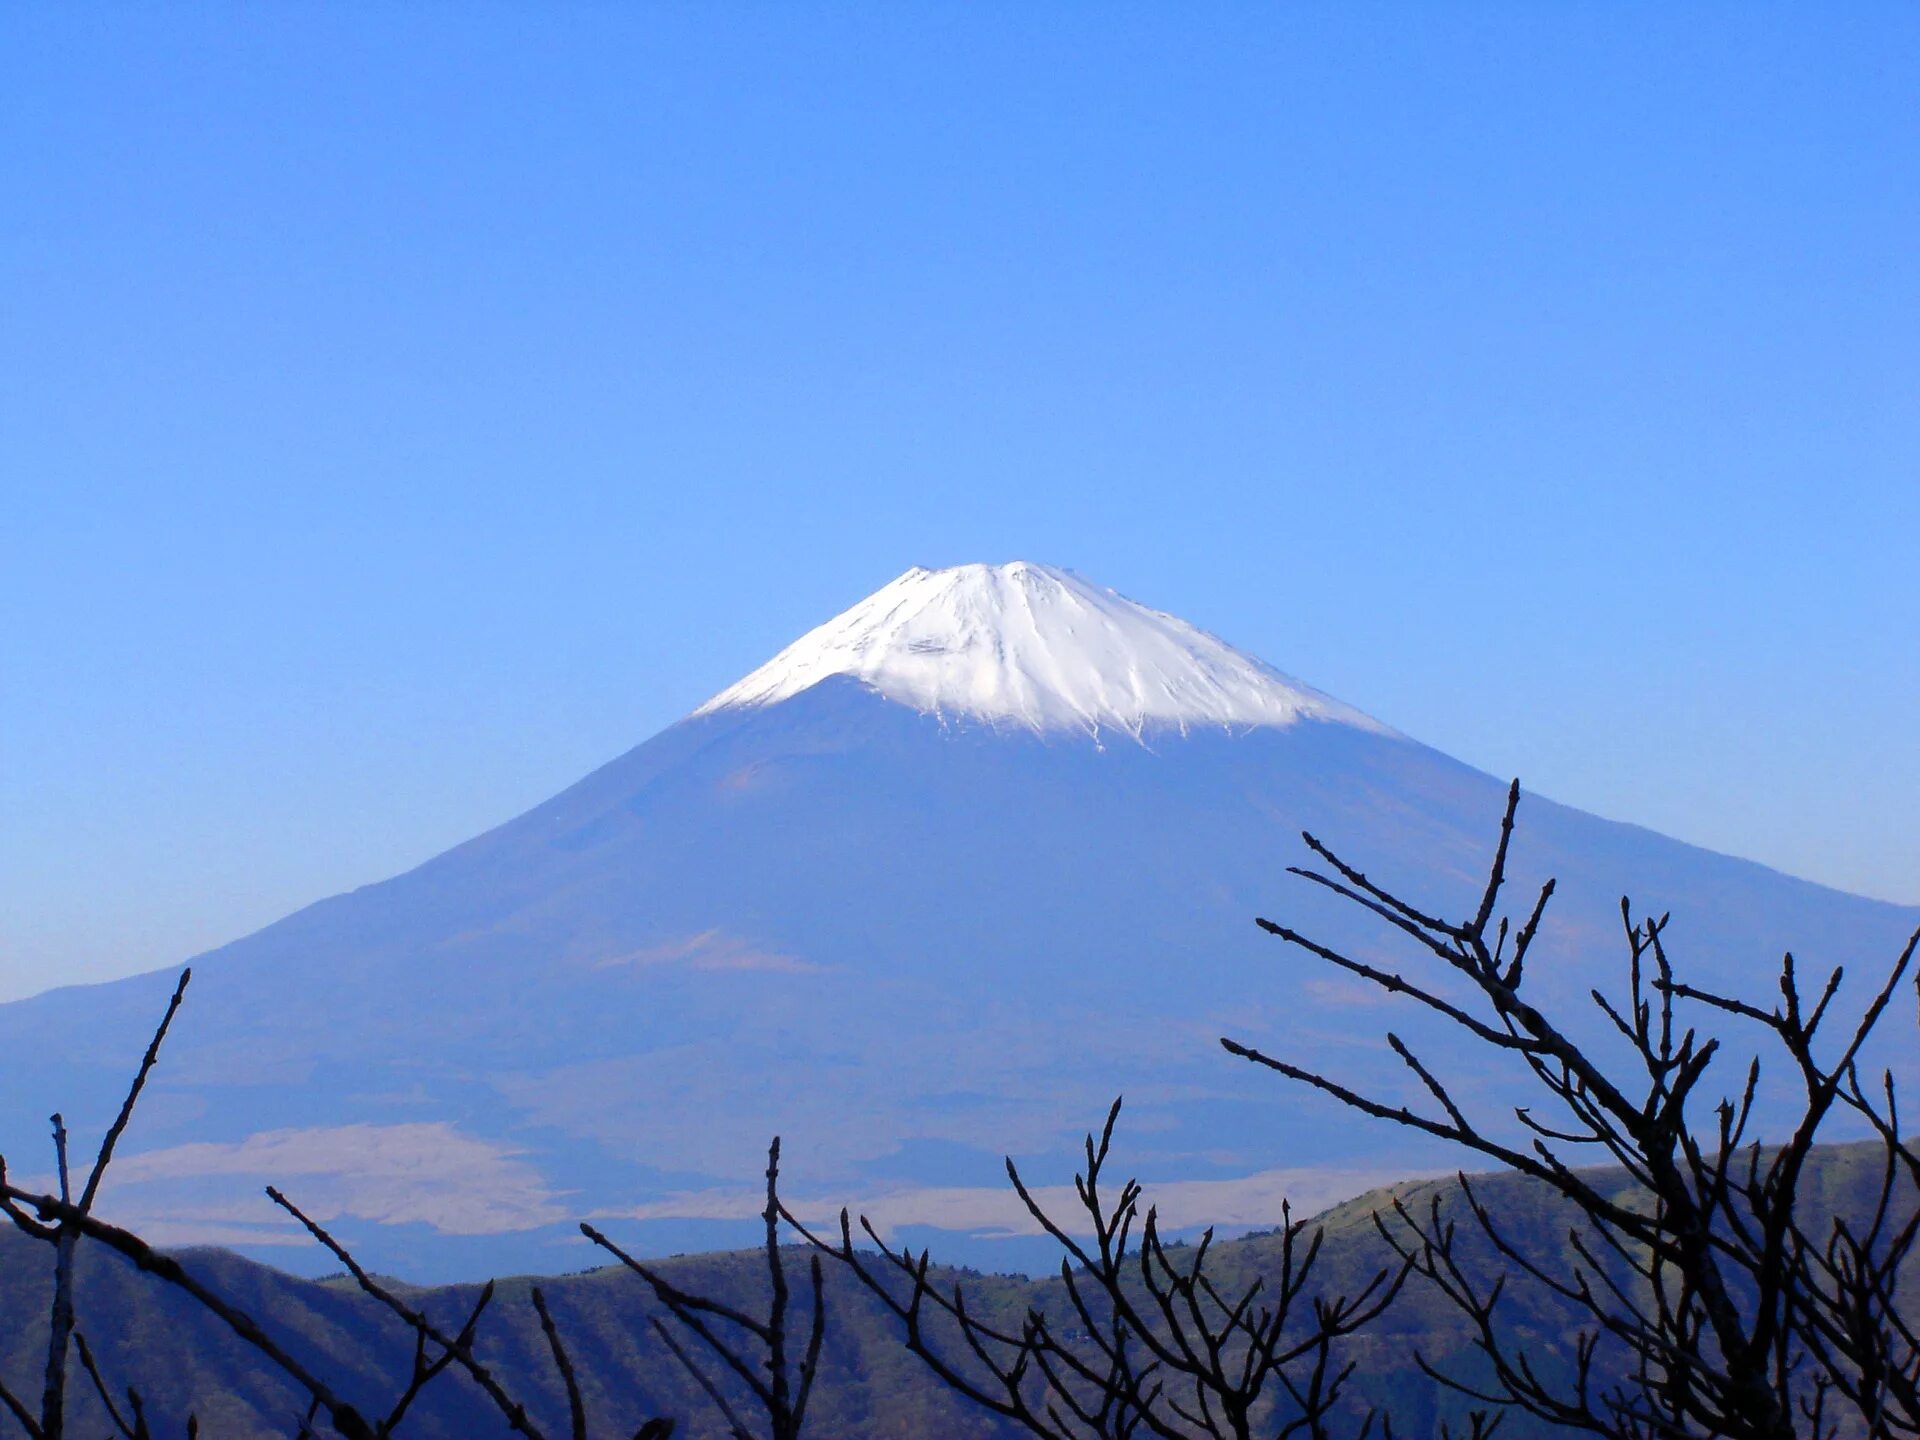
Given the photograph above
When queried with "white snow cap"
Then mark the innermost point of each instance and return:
(1032, 647)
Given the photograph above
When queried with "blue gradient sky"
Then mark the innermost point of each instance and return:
(405, 408)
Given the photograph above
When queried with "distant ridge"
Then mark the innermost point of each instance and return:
(182, 1358)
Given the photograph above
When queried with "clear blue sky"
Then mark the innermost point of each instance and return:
(404, 408)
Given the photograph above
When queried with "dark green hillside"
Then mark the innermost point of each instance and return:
(870, 1387)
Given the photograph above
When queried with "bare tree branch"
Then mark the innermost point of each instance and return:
(1713, 1302)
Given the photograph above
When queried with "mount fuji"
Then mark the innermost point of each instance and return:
(926, 889)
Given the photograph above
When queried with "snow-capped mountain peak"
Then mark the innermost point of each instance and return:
(1030, 646)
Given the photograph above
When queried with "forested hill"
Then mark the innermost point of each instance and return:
(182, 1359)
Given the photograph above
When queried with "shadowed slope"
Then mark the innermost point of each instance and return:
(870, 1388)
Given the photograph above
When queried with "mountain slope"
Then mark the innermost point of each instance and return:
(909, 934)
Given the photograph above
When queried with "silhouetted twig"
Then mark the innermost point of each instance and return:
(1720, 1305)
(779, 1390)
(1152, 1344)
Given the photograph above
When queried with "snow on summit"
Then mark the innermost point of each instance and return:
(1031, 646)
